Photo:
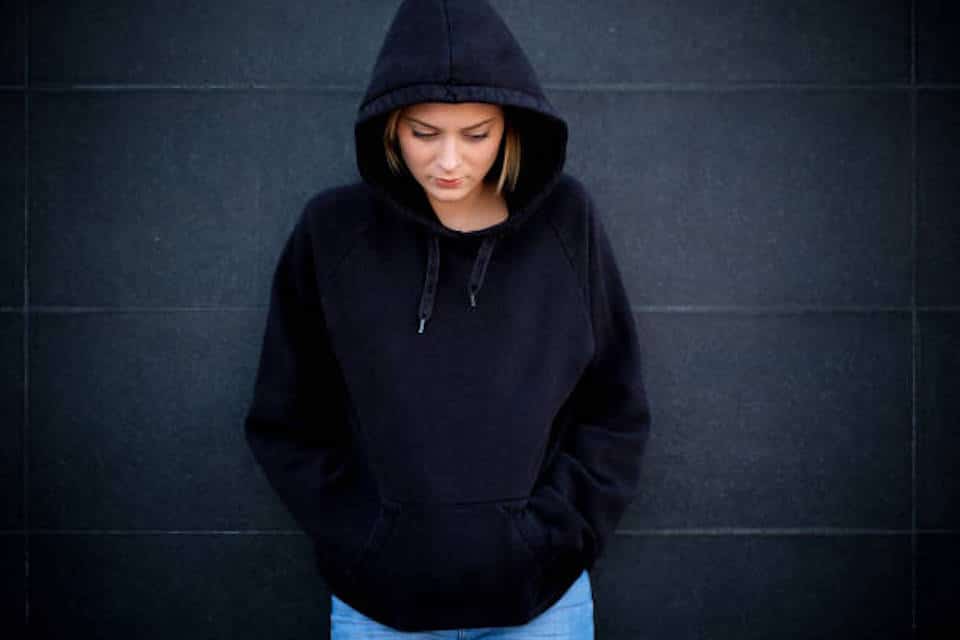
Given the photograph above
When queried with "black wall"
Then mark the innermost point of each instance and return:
(781, 181)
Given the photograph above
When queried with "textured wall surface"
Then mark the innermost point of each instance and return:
(781, 184)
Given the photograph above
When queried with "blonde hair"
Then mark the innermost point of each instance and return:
(509, 171)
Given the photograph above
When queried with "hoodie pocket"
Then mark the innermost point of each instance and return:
(452, 555)
(380, 530)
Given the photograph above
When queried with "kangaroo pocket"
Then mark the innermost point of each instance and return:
(452, 555)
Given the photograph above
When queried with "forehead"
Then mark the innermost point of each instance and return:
(452, 114)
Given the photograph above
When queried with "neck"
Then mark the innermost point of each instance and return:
(482, 209)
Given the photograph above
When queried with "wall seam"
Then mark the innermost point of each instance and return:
(25, 7)
(914, 333)
(748, 310)
(605, 87)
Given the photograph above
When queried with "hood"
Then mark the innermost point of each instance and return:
(457, 51)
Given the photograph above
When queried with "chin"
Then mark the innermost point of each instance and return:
(450, 197)
(449, 194)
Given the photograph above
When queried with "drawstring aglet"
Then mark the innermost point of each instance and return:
(422, 322)
(473, 299)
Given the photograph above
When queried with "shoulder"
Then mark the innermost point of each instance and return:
(339, 207)
(570, 212)
(572, 184)
(332, 220)
(573, 194)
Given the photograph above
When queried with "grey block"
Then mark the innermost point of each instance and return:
(938, 455)
(693, 587)
(746, 41)
(11, 200)
(12, 585)
(13, 43)
(160, 586)
(751, 198)
(165, 198)
(276, 43)
(938, 234)
(11, 419)
(137, 421)
(777, 421)
(938, 52)
(938, 585)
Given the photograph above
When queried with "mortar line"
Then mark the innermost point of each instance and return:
(914, 328)
(24, 436)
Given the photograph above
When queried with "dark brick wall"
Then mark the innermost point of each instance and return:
(781, 184)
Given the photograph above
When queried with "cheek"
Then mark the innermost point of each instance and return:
(412, 155)
(490, 154)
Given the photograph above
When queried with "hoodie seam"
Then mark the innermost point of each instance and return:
(446, 19)
(584, 283)
(349, 401)
(339, 260)
(589, 228)
(452, 83)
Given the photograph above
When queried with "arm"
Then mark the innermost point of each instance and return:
(297, 425)
(593, 476)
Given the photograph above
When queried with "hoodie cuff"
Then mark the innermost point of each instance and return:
(556, 526)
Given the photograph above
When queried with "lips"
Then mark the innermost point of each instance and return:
(448, 183)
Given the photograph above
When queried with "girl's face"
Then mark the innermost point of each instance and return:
(450, 147)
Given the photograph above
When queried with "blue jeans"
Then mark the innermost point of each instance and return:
(570, 618)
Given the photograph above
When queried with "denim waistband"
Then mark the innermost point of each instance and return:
(580, 591)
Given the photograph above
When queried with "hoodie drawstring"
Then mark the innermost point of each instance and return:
(430, 282)
(480, 268)
(433, 269)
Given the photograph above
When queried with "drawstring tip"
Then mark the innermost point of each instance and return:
(422, 322)
(473, 300)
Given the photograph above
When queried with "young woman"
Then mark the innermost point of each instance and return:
(449, 397)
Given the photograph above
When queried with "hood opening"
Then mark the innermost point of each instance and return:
(543, 139)
(457, 51)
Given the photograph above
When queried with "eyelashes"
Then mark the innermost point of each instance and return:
(480, 136)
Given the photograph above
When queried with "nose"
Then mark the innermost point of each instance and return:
(449, 155)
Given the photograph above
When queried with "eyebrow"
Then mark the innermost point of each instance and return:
(473, 126)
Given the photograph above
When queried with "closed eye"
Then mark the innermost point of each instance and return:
(477, 136)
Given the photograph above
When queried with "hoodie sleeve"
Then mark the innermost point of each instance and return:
(297, 425)
(594, 474)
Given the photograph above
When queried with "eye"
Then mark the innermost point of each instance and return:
(473, 136)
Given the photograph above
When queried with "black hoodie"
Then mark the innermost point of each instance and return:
(455, 418)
